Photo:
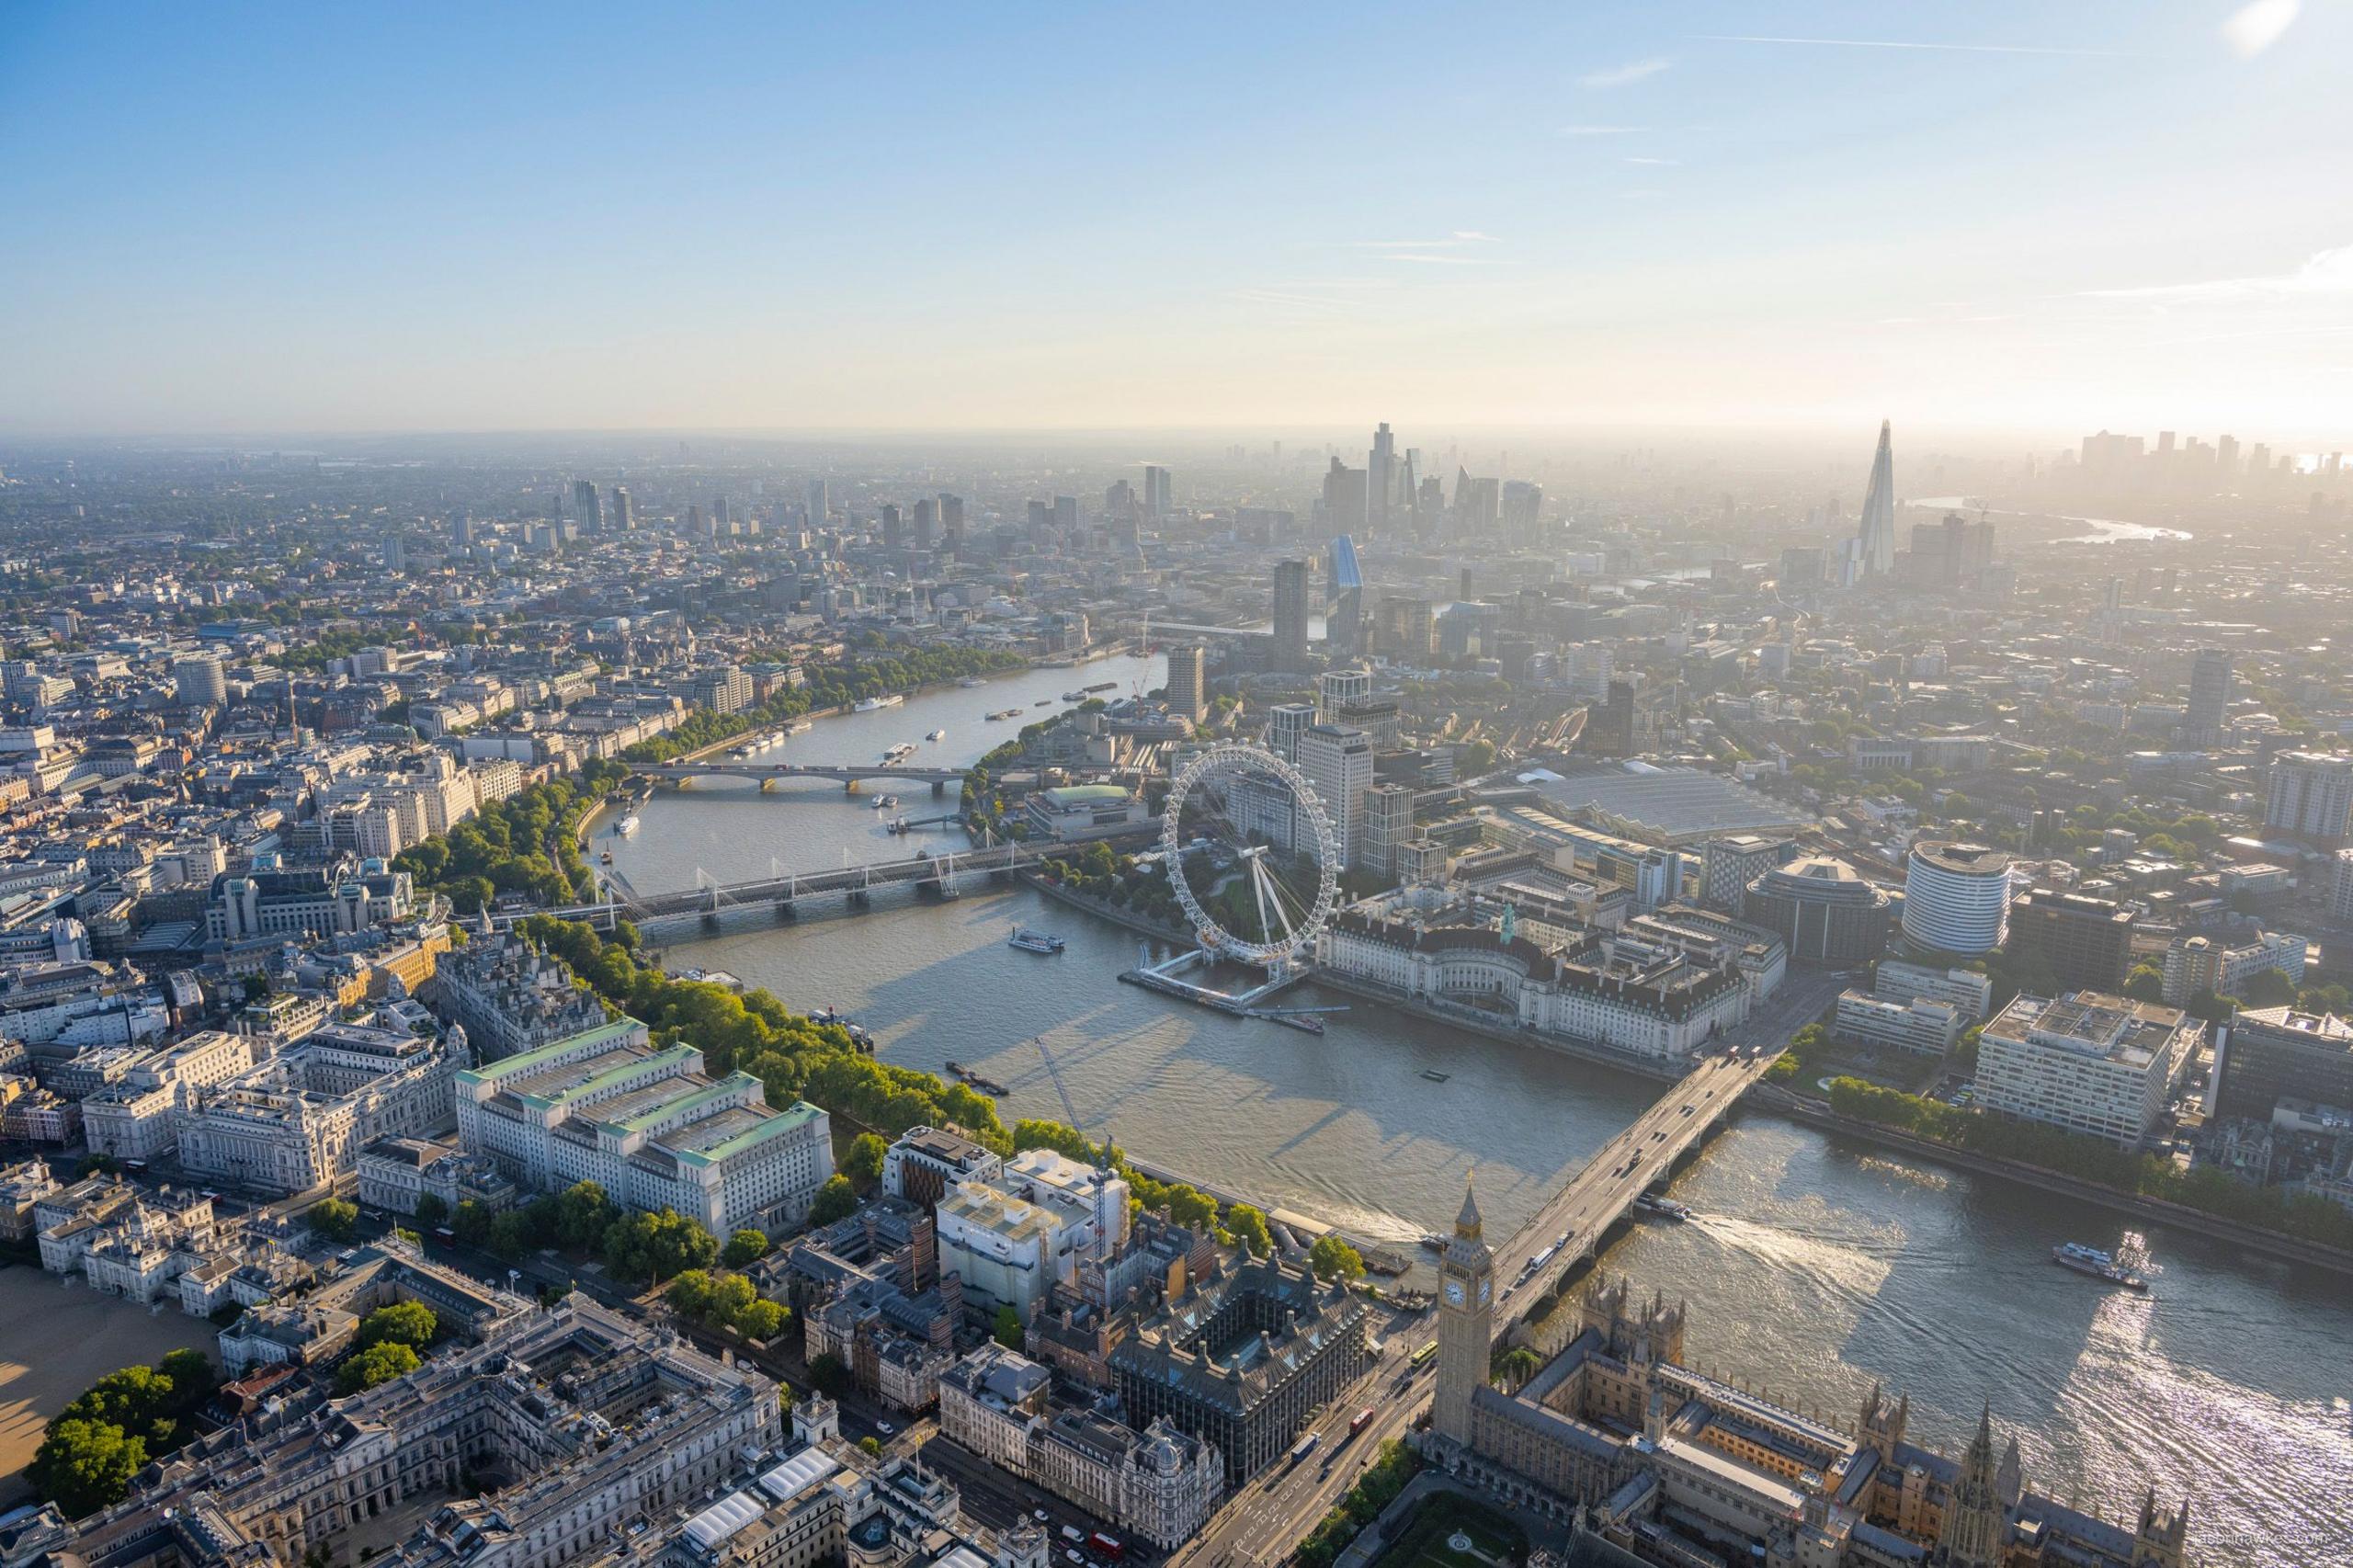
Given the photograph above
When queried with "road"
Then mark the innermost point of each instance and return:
(1264, 1522)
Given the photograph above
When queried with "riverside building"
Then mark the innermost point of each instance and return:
(648, 1126)
(1649, 998)
(2088, 1062)
(1642, 1459)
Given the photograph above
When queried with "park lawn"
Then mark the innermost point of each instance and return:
(1493, 1538)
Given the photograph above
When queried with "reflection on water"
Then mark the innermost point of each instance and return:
(1813, 1268)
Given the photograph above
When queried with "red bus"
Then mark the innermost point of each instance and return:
(1106, 1546)
(1357, 1422)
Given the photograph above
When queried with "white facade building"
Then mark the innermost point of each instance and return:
(648, 1126)
(2087, 1062)
(1919, 1025)
(1956, 897)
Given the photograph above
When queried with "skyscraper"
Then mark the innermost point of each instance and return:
(2209, 695)
(1380, 478)
(1875, 537)
(821, 504)
(1338, 760)
(1290, 615)
(2310, 796)
(624, 511)
(1155, 491)
(1188, 692)
(1344, 499)
(586, 511)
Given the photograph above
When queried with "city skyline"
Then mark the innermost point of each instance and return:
(1804, 219)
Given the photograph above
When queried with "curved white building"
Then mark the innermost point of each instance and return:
(1956, 897)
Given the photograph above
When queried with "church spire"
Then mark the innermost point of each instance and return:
(1467, 1224)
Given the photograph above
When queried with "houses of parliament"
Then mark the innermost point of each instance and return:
(1648, 1461)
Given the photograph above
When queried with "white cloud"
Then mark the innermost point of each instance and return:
(1663, 162)
(1435, 260)
(1622, 75)
(1600, 130)
(2253, 28)
(1896, 43)
(2325, 272)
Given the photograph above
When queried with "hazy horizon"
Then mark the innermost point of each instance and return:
(2001, 227)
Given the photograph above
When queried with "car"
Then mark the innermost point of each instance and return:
(1072, 1555)
(885, 1427)
(1038, 1515)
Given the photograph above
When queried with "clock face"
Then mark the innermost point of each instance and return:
(1454, 1292)
(1484, 1286)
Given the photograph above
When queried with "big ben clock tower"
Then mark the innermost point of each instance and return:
(1466, 1323)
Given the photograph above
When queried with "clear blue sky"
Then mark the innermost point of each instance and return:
(275, 217)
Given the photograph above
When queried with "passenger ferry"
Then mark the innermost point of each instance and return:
(872, 704)
(1034, 941)
(627, 825)
(801, 726)
(2115, 1268)
(937, 735)
(970, 681)
(1665, 1208)
(1006, 713)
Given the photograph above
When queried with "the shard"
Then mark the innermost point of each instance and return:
(1876, 536)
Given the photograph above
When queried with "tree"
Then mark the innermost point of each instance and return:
(1476, 758)
(835, 1200)
(471, 1224)
(377, 1364)
(863, 1163)
(1007, 1329)
(1248, 1226)
(745, 1246)
(830, 1375)
(2269, 988)
(657, 1246)
(582, 1214)
(1515, 1366)
(333, 1218)
(1191, 1208)
(83, 1466)
(2145, 984)
(511, 1234)
(431, 1211)
(871, 1445)
(402, 1322)
(1333, 1259)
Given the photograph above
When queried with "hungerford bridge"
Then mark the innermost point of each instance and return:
(851, 775)
(930, 875)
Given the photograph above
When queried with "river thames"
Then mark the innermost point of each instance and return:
(1814, 1266)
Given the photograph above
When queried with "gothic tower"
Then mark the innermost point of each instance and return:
(1974, 1520)
(1466, 1323)
(2159, 1540)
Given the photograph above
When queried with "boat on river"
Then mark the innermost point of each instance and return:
(627, 825)
(1035, 941)
(2120, 1267)
(1662, 1207)
(871, 704)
